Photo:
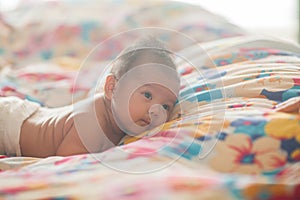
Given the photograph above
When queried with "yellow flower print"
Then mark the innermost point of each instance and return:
(283, 128)
(238, 153)
(163, 127)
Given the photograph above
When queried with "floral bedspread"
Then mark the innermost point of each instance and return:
(224, 142)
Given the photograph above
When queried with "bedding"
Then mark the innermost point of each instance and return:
(225, 141)
(85, 24)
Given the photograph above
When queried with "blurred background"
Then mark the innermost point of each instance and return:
(267, 17)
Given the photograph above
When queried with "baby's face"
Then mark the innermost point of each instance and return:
(151, 105)
(144, 97)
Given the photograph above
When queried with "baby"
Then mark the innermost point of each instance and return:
(139, 94)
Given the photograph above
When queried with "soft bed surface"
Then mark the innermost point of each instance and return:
(228, 145)
(224, 140)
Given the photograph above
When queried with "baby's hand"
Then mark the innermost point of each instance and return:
(292, 105)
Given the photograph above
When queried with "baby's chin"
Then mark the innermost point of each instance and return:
(138, 129)
(145, 126)
(142, 123)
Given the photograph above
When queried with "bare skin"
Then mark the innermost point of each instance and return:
(52, 131)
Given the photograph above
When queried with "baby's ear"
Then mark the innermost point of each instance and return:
(109, 86)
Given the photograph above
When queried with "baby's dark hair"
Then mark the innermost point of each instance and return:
(150, 48)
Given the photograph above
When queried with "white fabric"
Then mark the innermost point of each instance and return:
(13, 111)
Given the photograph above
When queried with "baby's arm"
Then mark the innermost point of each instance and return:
(292, 105)
(71, 144)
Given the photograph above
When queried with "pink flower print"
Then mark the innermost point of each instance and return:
(141, 152)
(238, 153)
(64, 160)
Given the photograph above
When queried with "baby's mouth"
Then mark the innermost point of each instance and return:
(145, 122)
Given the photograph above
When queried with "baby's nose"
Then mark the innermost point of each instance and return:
(156, 110)
(157, 114)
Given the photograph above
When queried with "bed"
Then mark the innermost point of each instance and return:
(224, 140)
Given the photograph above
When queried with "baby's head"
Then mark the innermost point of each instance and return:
(143, 86)
(143, 51)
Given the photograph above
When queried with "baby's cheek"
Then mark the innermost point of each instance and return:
(134, 107)
(167, 115)
(131, 109)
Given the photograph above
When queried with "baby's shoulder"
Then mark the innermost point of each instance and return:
(88, 105)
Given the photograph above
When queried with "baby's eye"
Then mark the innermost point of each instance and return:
(148, 95)
(166, 107)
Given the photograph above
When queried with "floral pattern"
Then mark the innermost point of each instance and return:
(238, 153)
(224, 140)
